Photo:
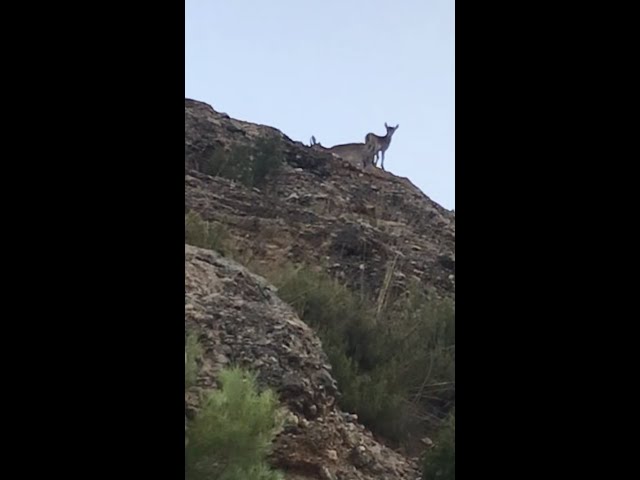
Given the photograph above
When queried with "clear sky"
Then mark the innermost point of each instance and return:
(336, 69)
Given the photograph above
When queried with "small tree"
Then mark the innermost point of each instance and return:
(232, 434)
(440, 463)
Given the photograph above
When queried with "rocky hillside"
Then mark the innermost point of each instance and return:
(239, 319)
(357, 224)
(374, 231)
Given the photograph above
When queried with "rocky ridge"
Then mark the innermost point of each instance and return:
(362, 226)
(357, 224)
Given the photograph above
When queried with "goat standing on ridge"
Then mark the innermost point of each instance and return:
(381, 143)
(355, 153)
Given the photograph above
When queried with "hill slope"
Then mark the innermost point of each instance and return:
(375, 232)
(320, 210)
(239, 319)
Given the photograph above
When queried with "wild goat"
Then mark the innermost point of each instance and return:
(352, 152)
(381, 144)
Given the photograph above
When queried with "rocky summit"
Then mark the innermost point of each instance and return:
(366, 227)
(358, 224)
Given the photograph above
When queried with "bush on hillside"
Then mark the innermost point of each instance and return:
(203, 234)
(193, 351)
(249, 165)
(231, 435)
(440, 463)
(397, 372)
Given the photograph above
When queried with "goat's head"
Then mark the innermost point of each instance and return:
(315, 145)
(314, 142)
(390, 130)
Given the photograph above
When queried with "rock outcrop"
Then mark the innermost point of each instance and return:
(240, 320)
(357, 224)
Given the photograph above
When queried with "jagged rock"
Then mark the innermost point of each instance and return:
(361, 457)
(427, 441)
(222, 359)
(350, 417)
(232, 318)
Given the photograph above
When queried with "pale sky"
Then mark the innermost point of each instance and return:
(335, 69)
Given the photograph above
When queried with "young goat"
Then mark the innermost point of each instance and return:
(314, 145)
(381, 144)
(355, 153)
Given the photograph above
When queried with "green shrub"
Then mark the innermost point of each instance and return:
(267, 159)
(248, 165)
(420, 337)
(440, 463)
(203, 234)
(230, 437)
(193, 351)
(397, 372)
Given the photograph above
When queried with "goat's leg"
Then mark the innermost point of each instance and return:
(382, 164)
